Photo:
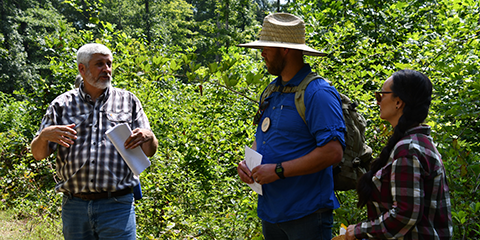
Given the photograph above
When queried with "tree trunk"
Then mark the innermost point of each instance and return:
(6, 34)
(227, 13)
(147, 21)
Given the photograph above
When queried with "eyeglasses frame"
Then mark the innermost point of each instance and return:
(379, 95)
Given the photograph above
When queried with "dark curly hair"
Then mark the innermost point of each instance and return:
(415, 90)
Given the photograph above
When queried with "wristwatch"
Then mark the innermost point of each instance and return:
(279, 170)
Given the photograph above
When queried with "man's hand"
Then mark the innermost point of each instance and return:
(244, 172)
(61, 134)
(261, 174)
(265, 173)
(139, 137)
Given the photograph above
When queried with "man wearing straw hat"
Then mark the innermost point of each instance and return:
(296, 171)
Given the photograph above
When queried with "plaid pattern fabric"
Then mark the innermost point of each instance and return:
(411, 199)
(92, 164)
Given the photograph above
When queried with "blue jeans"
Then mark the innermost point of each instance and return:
(316, 226)
(109, 218)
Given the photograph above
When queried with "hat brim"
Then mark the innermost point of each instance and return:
(306, 49)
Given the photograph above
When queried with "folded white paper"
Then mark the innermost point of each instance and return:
(135, 158)
(253, 159)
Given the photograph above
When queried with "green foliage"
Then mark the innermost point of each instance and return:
(200, 92)
(19, 173)
(193, 183)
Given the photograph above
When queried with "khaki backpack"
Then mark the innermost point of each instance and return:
(357, 155)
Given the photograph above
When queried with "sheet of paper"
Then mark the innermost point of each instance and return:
(253, 159)
(135, 158)
(343, 229)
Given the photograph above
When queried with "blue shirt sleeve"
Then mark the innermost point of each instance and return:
(323, 113)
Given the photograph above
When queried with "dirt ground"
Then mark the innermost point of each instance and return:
(26, 229)
(10, 228)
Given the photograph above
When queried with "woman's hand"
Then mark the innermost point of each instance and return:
(350, 235)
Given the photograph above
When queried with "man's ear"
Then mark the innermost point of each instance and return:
(81, 69)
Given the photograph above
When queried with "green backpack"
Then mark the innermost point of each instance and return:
(357, 155)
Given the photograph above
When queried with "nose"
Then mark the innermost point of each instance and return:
(107, 67)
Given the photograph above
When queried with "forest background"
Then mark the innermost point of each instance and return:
(200, 91)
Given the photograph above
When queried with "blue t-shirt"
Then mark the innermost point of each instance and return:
(289, 138)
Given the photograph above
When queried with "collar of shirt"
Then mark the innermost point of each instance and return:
(421, 129)
(87, 98)
(297, 79)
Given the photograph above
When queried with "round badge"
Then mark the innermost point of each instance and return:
(266, 124)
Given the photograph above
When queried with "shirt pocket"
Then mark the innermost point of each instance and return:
(288, 118)
(81, 122)
(381, 179)
(78, 119)
(116, 118)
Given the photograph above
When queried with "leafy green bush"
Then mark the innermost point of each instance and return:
(192, 187)
(27, 184)
(201, 114)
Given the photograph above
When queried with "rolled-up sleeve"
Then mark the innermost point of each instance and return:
(323, 113)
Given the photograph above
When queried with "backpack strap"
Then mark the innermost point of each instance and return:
(271, 88)
(299, 91)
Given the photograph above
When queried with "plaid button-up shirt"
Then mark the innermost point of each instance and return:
(92, 164)
(411, 198)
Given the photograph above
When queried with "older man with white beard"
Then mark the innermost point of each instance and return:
(95, 181)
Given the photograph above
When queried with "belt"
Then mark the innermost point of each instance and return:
(322, 210)
(102, 195)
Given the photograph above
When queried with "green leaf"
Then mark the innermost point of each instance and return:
(475, 168)
(157, 59)
(249, 78)
(185, 59)
(108, 26)
(173, 65)
(213, 67)
(225, 79)
(147, 67)
(475, 207)
(94, 20)
(191, 76)
(257, 78)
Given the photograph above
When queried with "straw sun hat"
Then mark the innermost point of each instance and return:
(283, 30)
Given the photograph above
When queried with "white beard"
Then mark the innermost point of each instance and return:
(97, 83)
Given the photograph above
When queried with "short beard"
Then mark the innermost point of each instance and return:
(96, 82)
(277, 65)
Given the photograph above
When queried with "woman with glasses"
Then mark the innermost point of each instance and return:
(406, 191)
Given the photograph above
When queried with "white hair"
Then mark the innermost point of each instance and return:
(84, 54)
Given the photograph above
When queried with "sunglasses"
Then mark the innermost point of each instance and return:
(260, 111)
(379, 95)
